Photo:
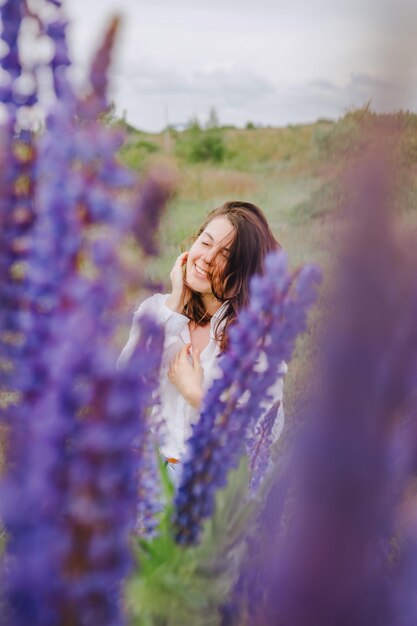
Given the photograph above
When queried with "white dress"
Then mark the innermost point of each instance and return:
(172, 411)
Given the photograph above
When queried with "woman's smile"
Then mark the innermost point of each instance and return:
(200, 272)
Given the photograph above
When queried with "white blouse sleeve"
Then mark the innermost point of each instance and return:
(275, 396)
(274, 399)
(156, 308)
(276, 392)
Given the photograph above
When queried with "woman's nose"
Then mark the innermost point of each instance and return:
(209, 257)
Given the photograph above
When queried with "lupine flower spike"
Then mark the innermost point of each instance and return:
(262, 339)
(69, 498)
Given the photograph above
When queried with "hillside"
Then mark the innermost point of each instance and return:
(294, 173)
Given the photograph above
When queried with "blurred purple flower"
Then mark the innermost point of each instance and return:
(18, 191)
(69, 505)
(259, 446)
(149, 501)
(264, 335)
(17, 215)
(99, 69)
(154, 191)
(12, 12)
(69, 498)
(56, 31)
(329, 527)
(103, 478)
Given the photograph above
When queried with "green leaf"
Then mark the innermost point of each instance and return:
(176, 585)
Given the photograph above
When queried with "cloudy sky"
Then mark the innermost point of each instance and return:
(267, 61)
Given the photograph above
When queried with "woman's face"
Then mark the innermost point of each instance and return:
(212, 245)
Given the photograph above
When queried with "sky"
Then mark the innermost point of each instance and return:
(265, 61)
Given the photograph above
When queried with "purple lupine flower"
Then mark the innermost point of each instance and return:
(155, 191)
(70, 505)
(103, 478)
(12, 12)
(17, 216)
(402, 581)
(32, 494)
(98, 72)
(16, 179)
(259, 446)
(334, 559)
(11, 94)
(56, 30)
(149, 501)
(69, 199)
(18, 190)
(264, 335)
(69, 501)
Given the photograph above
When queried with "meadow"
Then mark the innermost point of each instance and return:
(296, 174)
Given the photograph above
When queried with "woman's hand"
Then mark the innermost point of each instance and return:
(180, 292)
(186, 376)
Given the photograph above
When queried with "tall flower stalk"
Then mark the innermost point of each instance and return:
(332, 533)
(69, 497)
(262, 339)
(17, 159)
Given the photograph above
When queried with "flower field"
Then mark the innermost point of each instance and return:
(319, 531)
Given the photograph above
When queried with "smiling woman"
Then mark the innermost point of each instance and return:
(210, 285)
(214, 239)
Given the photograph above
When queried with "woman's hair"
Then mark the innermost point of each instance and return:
(252, 241)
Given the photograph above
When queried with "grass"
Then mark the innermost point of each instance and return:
(274, 168)
(292, 173)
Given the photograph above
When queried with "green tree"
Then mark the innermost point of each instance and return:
(213, 121)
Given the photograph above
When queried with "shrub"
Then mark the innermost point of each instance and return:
(199, 146)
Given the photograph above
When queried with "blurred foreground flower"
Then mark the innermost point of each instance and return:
(330, 546)
(263, 338)
(69, 496)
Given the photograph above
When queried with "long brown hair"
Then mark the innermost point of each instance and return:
(252, 241)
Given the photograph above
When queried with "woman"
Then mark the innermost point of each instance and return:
(210, 285)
